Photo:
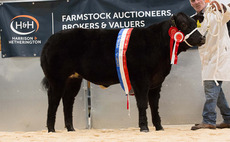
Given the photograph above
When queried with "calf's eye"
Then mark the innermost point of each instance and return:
(184, 26)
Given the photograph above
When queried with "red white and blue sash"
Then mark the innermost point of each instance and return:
(121, 63)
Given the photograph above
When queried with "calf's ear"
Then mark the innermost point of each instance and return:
(198, 16)
(172, 21)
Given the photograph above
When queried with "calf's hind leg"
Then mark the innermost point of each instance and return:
(72, 88)
(154, 96)
(55, 93)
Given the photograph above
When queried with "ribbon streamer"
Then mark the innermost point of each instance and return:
(121, 62)
(177, 37)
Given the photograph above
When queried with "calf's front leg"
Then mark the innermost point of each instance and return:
(142, 104)
(154, 96)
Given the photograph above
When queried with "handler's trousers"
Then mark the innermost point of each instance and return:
(215, 97)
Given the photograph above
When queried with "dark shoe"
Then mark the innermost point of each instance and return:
(203, 126)
(223, 125)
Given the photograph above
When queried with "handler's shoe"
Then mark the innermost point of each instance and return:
(222, 125)
(203, 126)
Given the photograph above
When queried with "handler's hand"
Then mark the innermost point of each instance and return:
(215, 3)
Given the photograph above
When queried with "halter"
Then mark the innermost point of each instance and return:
(188, 35)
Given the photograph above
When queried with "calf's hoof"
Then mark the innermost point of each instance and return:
(144, 129)
(51, 130)
(159, 128)
(70, 129)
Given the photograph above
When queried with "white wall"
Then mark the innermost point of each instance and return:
(23, 102)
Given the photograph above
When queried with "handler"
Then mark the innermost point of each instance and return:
(215, 60)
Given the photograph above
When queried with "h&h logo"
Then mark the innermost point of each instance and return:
(24, 24)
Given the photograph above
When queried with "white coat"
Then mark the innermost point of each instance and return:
(215, 62)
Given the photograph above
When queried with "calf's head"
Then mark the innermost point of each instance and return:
(188, 26)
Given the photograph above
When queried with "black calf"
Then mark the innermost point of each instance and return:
(71, 55)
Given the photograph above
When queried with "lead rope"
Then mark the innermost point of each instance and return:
(218, 18)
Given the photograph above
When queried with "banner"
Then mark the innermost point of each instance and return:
(27, 26)
(107, 14)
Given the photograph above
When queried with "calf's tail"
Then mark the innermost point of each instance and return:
(45, 83)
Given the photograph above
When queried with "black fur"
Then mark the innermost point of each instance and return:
(91, 54)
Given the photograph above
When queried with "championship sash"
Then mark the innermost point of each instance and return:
(121, 63)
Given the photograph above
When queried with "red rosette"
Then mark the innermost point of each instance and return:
(172, 31)
(179, 36)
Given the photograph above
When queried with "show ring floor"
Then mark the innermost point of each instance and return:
(172, 133)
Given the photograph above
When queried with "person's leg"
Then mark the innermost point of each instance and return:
(211, 94)
(224, 110)
(224, 107)
(209, 113)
